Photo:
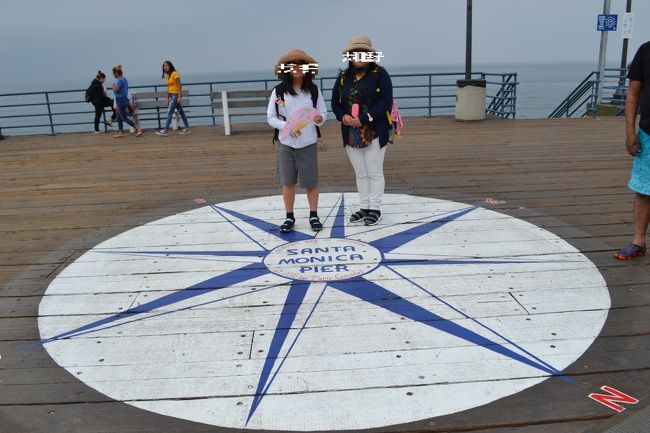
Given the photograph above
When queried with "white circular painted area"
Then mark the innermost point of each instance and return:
(213, 316)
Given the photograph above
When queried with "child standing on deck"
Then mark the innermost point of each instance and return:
(297, 158)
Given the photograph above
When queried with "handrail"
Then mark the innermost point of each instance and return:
(566, 106)
(613, 94)
(503, 104)
(425, 94)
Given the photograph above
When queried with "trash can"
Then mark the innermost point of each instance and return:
(470, 100)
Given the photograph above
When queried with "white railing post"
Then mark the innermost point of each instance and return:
(226, 114)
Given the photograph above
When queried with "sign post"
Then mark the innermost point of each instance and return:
(628, 20)
(604, 25)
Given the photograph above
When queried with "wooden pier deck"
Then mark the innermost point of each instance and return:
(62, 195)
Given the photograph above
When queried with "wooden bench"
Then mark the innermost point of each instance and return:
(150, 101)
(238, 103)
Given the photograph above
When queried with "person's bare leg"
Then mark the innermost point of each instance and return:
(312, 198)
(289, 196)
(641, 218)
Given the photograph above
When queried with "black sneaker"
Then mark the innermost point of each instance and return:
(315, 224)
(287, 225)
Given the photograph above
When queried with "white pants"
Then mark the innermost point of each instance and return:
(368, 166)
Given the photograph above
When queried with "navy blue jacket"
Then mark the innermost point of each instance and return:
(375, 78)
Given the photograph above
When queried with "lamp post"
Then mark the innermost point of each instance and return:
(470, 94)
(468, 42)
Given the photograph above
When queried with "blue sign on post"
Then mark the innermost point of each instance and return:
(607, 23)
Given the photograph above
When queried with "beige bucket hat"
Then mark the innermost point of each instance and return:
(294, 56)
(359, 43)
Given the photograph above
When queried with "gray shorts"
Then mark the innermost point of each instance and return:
(294, 164)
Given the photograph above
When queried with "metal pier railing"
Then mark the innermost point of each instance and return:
(581, 102)
(431, 94)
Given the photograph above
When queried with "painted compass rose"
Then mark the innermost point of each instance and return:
(214, 316)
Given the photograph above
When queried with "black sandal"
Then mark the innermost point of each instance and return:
(372, 218)
(287, 225)
(358, 217)
(315, 224)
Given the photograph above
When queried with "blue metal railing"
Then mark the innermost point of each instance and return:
(615, 88)
(431, 94)
(582, 100)
(504, 103)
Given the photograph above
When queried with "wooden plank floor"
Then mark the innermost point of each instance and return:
(62, 195)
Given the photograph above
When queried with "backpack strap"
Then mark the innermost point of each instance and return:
(279, 94)
(341, 83)
(314, 100)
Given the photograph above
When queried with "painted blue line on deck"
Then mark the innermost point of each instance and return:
(370, 292)
(536, 358)
(269, 228)
(290, 309)
(392, 242)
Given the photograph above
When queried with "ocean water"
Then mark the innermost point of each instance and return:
(541, 88)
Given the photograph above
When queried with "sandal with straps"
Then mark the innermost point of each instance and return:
(287, 225)
(358, 217)
(315, 224)
(630, 251)
(372, 218)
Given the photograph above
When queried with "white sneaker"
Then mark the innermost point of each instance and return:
(185, 131)
(162, 132)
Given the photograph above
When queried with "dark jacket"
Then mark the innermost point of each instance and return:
(379, 86)
(97, 96)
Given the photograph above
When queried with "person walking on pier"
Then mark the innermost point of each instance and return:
(132, 109)
(361, 98)
(174, 97)
(297, 152)
(638, 145)
(99, 99)
(121, 90)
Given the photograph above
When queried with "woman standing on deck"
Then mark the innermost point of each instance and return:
(121, 90)
(361, 97)
(174, 97)
(297, 157)
(100, 100)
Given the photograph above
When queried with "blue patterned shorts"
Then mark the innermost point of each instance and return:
(640, 177)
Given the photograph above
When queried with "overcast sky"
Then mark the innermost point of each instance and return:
(44, 40)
